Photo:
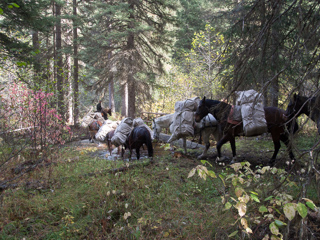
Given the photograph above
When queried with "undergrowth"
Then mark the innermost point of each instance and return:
(80, 196)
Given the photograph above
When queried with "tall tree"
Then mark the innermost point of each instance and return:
(270, 40)
(136, 34)
(58, 59)
(75, 66)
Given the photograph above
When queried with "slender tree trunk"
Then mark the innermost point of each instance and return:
(131, 96)
(130, 78)
(264, 43)
(75, 68)
(69, 99)
(274, 89)
(59, 63)
(36, 64)
(124, 101)
(54, 46)
(111, 95)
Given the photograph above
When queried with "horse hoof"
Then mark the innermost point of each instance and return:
(234, 160)
(272, 163)
(220, 159)
(201, 157)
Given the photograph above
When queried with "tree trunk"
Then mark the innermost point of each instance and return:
(111, 95)
(274, 88)
(70, 92)
(75, 68)
(131, 96)
(59, 63)
(264, 43)
(130, 78)
(36, 64)
(124, 101)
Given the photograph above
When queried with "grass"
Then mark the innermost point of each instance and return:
(153, 200)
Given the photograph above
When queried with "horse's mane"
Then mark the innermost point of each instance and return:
(212, 102)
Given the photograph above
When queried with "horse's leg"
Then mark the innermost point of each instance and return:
(185, 144)
(285, 138)
(206, 135)
(109, 146)
(91, 137)
(122, 151)
(200, 137)
(138, 152)
(222, 141)
(233, 148)
(276, 142)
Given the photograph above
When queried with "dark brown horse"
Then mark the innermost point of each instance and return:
(139, 136)
(93, 129)
(309, 106)
(105, 112)
(275, 119)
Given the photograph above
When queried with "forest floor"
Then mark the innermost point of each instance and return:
(86, 194)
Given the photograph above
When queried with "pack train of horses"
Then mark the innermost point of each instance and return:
(211, 118)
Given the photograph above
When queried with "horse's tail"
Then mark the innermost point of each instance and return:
(149, 145)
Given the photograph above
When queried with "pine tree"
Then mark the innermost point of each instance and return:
(131, 37)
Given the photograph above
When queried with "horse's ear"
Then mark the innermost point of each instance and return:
(204, 98)
(294, 96)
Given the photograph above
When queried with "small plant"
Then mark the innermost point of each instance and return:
(245, 195)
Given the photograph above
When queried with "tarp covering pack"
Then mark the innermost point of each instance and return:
(182, 125)
(90, 117)
(252, 111)
(107, 127)
(122, 131)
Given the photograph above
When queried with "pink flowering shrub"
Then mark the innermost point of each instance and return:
(31, 113)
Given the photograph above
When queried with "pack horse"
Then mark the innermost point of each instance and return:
(275, 119)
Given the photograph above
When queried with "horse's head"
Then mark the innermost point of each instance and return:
(156, 129)
(201, 111)
(105, 112)
(296, 103)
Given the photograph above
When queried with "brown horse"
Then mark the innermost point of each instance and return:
(275, 119)
(108, 141)
(93, 129)
(139, 136)
(309, 106)
(105, 112)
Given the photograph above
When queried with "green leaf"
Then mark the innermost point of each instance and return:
(268, 198)
(15, 5)
(238, 191)
(302, 210)
(311, 205)
(1, 11)
(279, 223)
(212, 174)
(20, 64)
(233, 234)
(227, 206)
(273, 228)
(263, 209)
(254, 197)
(222, 179)
(289, 210)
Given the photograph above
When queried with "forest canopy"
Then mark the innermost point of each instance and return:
(144, 55)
